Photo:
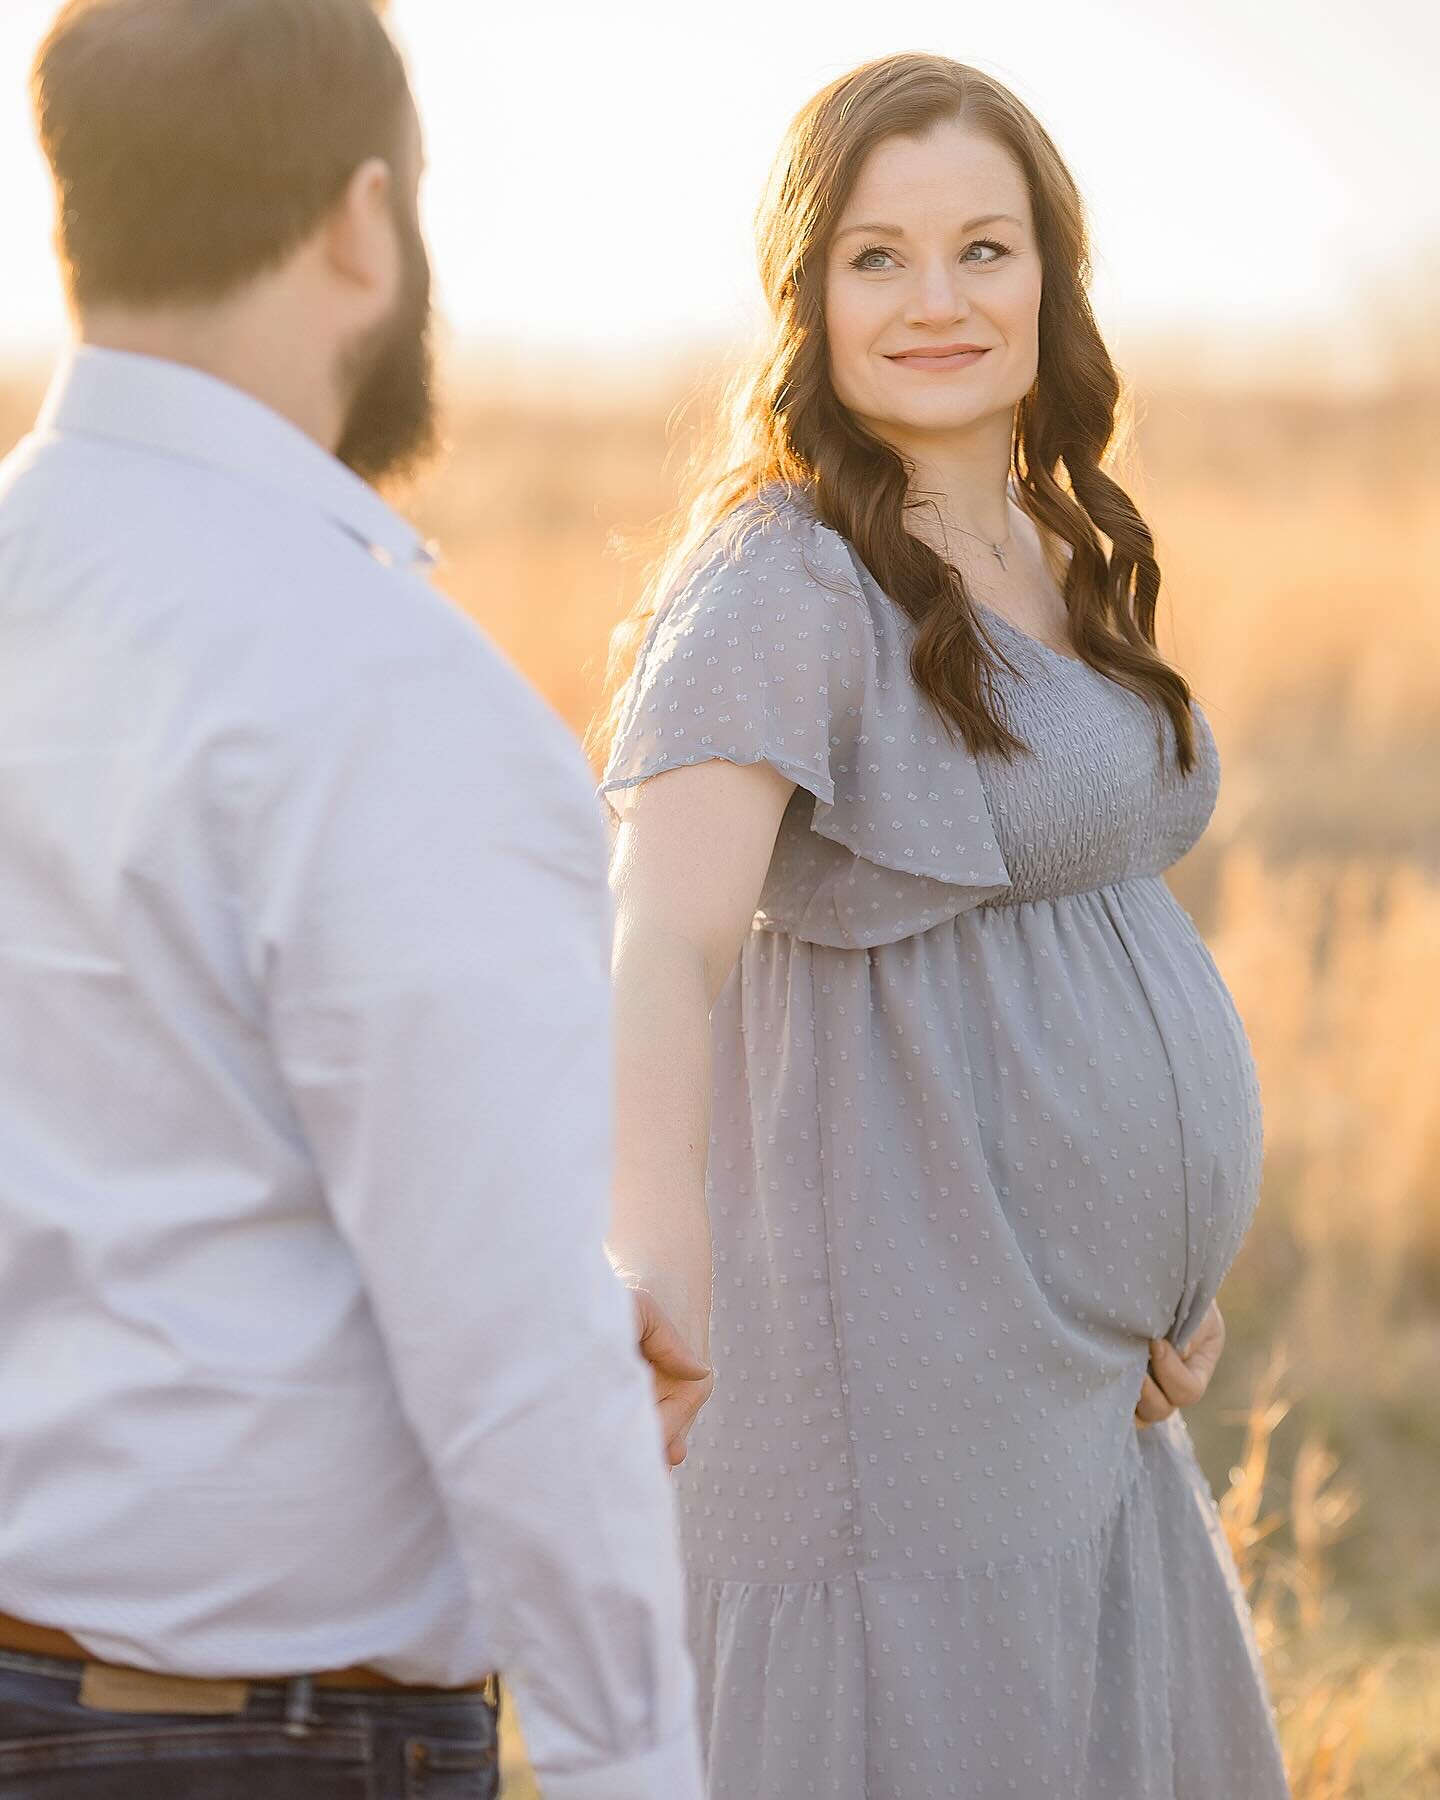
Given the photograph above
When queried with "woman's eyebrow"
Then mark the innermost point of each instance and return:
(899, 230)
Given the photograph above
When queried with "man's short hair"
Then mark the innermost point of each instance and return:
(197, 143)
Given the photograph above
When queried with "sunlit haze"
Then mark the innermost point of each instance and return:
(594, 169)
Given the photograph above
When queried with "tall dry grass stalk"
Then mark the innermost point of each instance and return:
(1326, 1700)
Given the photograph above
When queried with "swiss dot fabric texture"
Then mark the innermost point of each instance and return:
(985, 1120)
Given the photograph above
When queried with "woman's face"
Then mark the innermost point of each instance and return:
(934, 253)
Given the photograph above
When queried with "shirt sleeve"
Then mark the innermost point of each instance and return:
(433, 924)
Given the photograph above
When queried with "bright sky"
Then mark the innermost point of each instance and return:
(594, 167)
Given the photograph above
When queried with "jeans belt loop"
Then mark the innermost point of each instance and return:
(300, 1715)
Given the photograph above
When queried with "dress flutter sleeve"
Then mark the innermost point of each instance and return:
(779, 648)
(759, 657)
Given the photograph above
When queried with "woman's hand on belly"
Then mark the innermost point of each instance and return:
(1177, 1379)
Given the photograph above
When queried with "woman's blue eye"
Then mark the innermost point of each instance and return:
(862, 259)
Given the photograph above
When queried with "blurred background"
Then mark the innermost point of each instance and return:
(1267, 252)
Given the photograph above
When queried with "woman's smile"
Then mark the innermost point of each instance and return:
(945, 356)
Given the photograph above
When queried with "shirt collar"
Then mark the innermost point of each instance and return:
(171, 408)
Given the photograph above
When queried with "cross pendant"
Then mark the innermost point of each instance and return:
(999, 555)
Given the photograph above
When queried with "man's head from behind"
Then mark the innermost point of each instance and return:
(250, 168)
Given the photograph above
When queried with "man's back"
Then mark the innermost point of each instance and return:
(302, 910)
(161, 625)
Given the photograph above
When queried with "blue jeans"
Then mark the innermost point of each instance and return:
(340, 1744)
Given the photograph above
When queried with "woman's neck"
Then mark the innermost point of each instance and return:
(966, 483)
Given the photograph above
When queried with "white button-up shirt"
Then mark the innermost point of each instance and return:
(310, 1353)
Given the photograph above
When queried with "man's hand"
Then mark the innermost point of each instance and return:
(1175, 1380)
(683, 1383)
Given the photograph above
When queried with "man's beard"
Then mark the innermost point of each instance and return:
(392, 426)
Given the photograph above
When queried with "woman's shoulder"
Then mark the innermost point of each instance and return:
(773, 552)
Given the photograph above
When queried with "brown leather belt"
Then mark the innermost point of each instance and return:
(42, 1640)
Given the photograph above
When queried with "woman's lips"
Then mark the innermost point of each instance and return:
(944, 357)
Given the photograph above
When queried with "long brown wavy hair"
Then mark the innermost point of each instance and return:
(783, 432)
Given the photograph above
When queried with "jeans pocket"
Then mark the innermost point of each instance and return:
(451, 1768)
(188, 1762)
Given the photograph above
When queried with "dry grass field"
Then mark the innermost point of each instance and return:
(1299, 539)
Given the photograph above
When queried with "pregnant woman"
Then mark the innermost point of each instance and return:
(913, 1036)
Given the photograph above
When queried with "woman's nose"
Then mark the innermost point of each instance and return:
(937, 294)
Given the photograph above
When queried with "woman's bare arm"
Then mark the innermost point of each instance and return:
(687, 868)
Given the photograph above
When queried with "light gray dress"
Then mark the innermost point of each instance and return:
(985, 1120)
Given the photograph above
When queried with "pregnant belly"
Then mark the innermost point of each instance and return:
(1116, 1100)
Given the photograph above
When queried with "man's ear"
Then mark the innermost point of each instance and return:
(358, 236)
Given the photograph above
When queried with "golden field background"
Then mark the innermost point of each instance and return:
(1299, 535)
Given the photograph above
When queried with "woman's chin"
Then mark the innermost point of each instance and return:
(938, 418)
